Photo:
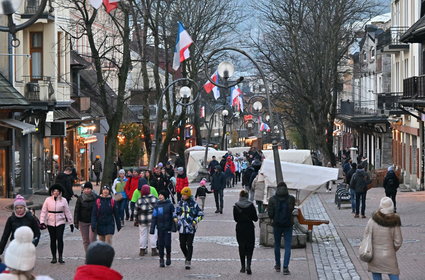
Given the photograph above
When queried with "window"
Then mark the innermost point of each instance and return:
(36, 52)
(372, 53)
(60, 63)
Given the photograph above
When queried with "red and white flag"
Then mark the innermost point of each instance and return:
(237, 98)
(110, 5)
(96, 3)
(181, 51)
(208, 86)
(202, 112)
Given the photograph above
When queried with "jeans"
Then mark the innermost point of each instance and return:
(164, 241)
(218, 196)
(87, 234)
(144, 232)
(121, 208)
(287, 236)
(378, 276)
(132, 206)
(362, 196)
(353, 200)
(186, 245)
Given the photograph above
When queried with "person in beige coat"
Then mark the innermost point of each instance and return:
(386, 240)
(258, 186)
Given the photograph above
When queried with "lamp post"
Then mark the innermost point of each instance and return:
(185, 93)
(276, 157)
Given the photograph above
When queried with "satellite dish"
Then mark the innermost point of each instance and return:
(8, 7)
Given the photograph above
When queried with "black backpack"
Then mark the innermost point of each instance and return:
(391, 184)
(282, 216)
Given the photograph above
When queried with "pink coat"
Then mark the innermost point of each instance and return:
(55, 212)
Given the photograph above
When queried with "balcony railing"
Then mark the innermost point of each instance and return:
(414, 87)
(31, 7)
(387, 103)
(391, 37)
(389, 100)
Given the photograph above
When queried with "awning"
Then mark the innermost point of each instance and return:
(416, 33)
(10, 97)
(25, 127)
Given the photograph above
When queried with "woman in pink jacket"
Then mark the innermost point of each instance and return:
(55, 213)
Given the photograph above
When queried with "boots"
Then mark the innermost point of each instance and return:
(168, 260)
(248, 264)
(61, 260)
(154, 252)
(142, 252)
(54, 260)
(161, 262)
(242, 264)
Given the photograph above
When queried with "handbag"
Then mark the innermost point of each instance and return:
(118, 197)
(366, 250)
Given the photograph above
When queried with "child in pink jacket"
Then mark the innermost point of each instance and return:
(55, 213)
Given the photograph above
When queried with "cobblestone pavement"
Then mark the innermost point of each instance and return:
(330, 255)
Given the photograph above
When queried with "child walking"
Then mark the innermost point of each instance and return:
(201, 192)
(162, 220)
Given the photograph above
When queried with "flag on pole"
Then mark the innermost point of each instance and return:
(208, 86)
(96, 3)
(237, 98)
(264, 127)
(202, 112)
(110, 5)
(181, 51)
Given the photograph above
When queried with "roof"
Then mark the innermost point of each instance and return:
(9, 96)
(416, 33)
(363, 119)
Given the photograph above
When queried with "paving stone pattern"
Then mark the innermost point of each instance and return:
(331, 257)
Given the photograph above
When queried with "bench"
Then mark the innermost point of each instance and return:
(309, 223)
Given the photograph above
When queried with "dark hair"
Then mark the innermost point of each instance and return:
(243, 193)
(68, 168)
(282, 184)
(354, 165)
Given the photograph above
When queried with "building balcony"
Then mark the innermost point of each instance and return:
(38, 90)
(387, 104)
(31, 7)
(389, 41)
(414, 87)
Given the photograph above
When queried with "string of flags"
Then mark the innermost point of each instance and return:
(110, 5)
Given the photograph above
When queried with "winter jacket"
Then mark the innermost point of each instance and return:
(212, 165)
(55, 212)
(84, 208)
(66, 182)
(218, 181)
(131, 186)
(230, 165)
(281, 194)
(259, 186)
(244, 214)
(119, 186)
(137, 194)
(170, 171)
(96, 272)
(386, 240)
(189, 215)
(201, 191)
(104, 217)
(14, 222)
(162, 216)
(360, 180)
(389, 187)
(247, 176)
(161, 182)
(97, 166)
(181, 182)
(350, 175)
(144, 209)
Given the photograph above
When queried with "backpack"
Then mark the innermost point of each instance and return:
(98, 203)
(391, 184)
(282, 217)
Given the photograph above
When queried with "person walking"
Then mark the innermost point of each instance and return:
(238, 169)
(131, 185)
(391, 184)
(187, 216)
(118, 188)
(218, 182)
(20, 257)
(259, 187)
(386, 240)
(143, 218)
(82, 214)
(181, 182)
(229, 171)
(162, 223)
(211, 166)
(105, 216)
(55, 213)
(359, 182)
(97, 169)
(348, 177)
(280, 209)
(20, 217)
(244, 214)
(99, 258)
(66, 181)
(201, 192)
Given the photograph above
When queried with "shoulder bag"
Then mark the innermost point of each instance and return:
(366, 250)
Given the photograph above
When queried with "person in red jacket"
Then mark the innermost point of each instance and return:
(181, 182)
(99, 259)
(129, 189)
(229, 171)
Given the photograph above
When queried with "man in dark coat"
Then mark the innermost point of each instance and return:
(211, 165)
(218, 182)
(280, 209)
(65, 180)
(97, 168)
(391, 184)
(359, 182)
(352, 190)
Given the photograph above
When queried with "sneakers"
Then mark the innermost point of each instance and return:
(356, 216)
(277, 268)
(154, 252)
(187, 264)
(142, 252)
(217, 211)
(363, 216)
(286, 271)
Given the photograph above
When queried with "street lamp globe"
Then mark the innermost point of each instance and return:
(225, 113)
(257, 106)
(185, 92)
(226, 69)
(8, 7)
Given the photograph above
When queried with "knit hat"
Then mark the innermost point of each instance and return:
(386, 206)
(20, 254)
(100, 253)
(146, 190)
(186, 191)
(122, 171)
(56, 187)
(106, 188)
(160, 165)
(203, 182)
(19, 201)
(180, 169)
(390, 168)
(164, 193)
(98, 157)
(88, 185)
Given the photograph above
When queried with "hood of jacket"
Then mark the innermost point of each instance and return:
(88, 197)
(391, 174)
(386, 220)
(282, 192)
(243, 202)
(361, 171)
(96, 272)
